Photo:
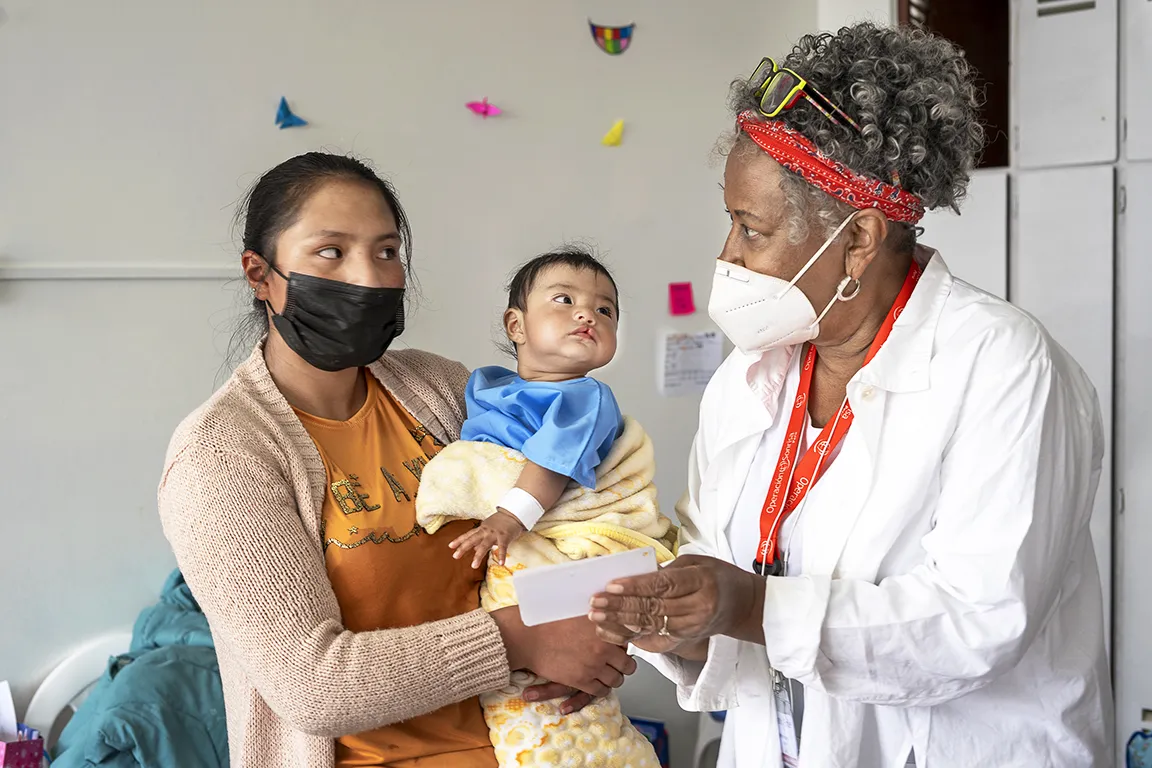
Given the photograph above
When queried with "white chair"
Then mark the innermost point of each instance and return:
(68, 684)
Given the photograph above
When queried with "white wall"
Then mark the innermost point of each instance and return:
(131, 128)
(95, 376)
(974, 243)
(833, 14)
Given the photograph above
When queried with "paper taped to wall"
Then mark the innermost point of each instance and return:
(687, 361)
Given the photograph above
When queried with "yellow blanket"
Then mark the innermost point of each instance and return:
(465, 481)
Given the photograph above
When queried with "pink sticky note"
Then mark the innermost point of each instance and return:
(680, 301)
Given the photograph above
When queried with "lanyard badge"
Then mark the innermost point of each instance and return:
(792, 479)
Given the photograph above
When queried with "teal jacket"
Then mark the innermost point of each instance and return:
(160, 705)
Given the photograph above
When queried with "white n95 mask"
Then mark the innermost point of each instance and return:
(761, 312)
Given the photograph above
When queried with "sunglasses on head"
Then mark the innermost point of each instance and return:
(779, 89)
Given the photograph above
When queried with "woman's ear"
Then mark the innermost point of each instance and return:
(514, 326)
(866, 234)
(256, 272)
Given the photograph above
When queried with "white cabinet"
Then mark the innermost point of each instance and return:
(1137, 71)
(1065, 65)
(1062, 272)
(1133, 621)
(975, 243)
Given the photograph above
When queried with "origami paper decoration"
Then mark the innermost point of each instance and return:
(285, 118)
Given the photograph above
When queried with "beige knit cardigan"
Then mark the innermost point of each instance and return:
(240, 502)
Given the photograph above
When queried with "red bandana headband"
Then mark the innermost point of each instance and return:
(796, 153)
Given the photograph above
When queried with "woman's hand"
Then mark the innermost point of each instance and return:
(694, 650)
(566, 652)
(574, 700)
(700, 596)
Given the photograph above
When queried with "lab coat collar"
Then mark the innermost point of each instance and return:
(902, 364)
(752, 395)
(753, 383)
(749, 387)
(765, 375)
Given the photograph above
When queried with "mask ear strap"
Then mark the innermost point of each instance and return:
(276, 269)
(264, 279)
(271, 266)
(820, 252)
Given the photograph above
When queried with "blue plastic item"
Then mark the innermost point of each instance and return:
(1139, 751)
(657, 733)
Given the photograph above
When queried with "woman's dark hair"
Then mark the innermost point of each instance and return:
(273, 204)
(525, 278)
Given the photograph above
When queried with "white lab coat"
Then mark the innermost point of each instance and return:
(949, 601)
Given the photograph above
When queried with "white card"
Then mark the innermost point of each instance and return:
(7, 713)
(557, 592)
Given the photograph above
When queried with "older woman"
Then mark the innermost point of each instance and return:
(885, 553)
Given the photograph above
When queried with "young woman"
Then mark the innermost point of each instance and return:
(345, 634)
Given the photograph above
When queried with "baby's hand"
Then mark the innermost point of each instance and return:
(493, 535)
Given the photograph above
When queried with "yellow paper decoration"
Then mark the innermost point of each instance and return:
(614, 135)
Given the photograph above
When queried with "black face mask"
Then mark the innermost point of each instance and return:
(335, 325)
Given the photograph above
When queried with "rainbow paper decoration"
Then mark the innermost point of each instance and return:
(612, 40)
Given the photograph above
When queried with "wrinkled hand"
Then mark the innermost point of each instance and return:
(493, 535)
(618, 634)
(701, 596)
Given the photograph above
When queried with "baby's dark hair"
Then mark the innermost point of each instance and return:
(570, 256)
(525, 280)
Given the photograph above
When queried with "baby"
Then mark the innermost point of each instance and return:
(563, 308)
(555, 473)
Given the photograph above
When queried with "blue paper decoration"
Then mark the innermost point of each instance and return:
(285, 118)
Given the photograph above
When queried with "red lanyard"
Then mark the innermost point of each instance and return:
(789, 489)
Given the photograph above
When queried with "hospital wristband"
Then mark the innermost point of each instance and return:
(523, 506)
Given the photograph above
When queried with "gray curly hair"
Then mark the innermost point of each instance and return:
(915, 98)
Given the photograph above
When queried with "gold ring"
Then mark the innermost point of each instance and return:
(664, 629)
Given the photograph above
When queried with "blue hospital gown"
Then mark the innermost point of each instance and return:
(565, 426)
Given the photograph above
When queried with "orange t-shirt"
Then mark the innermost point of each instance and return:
(388, 573)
